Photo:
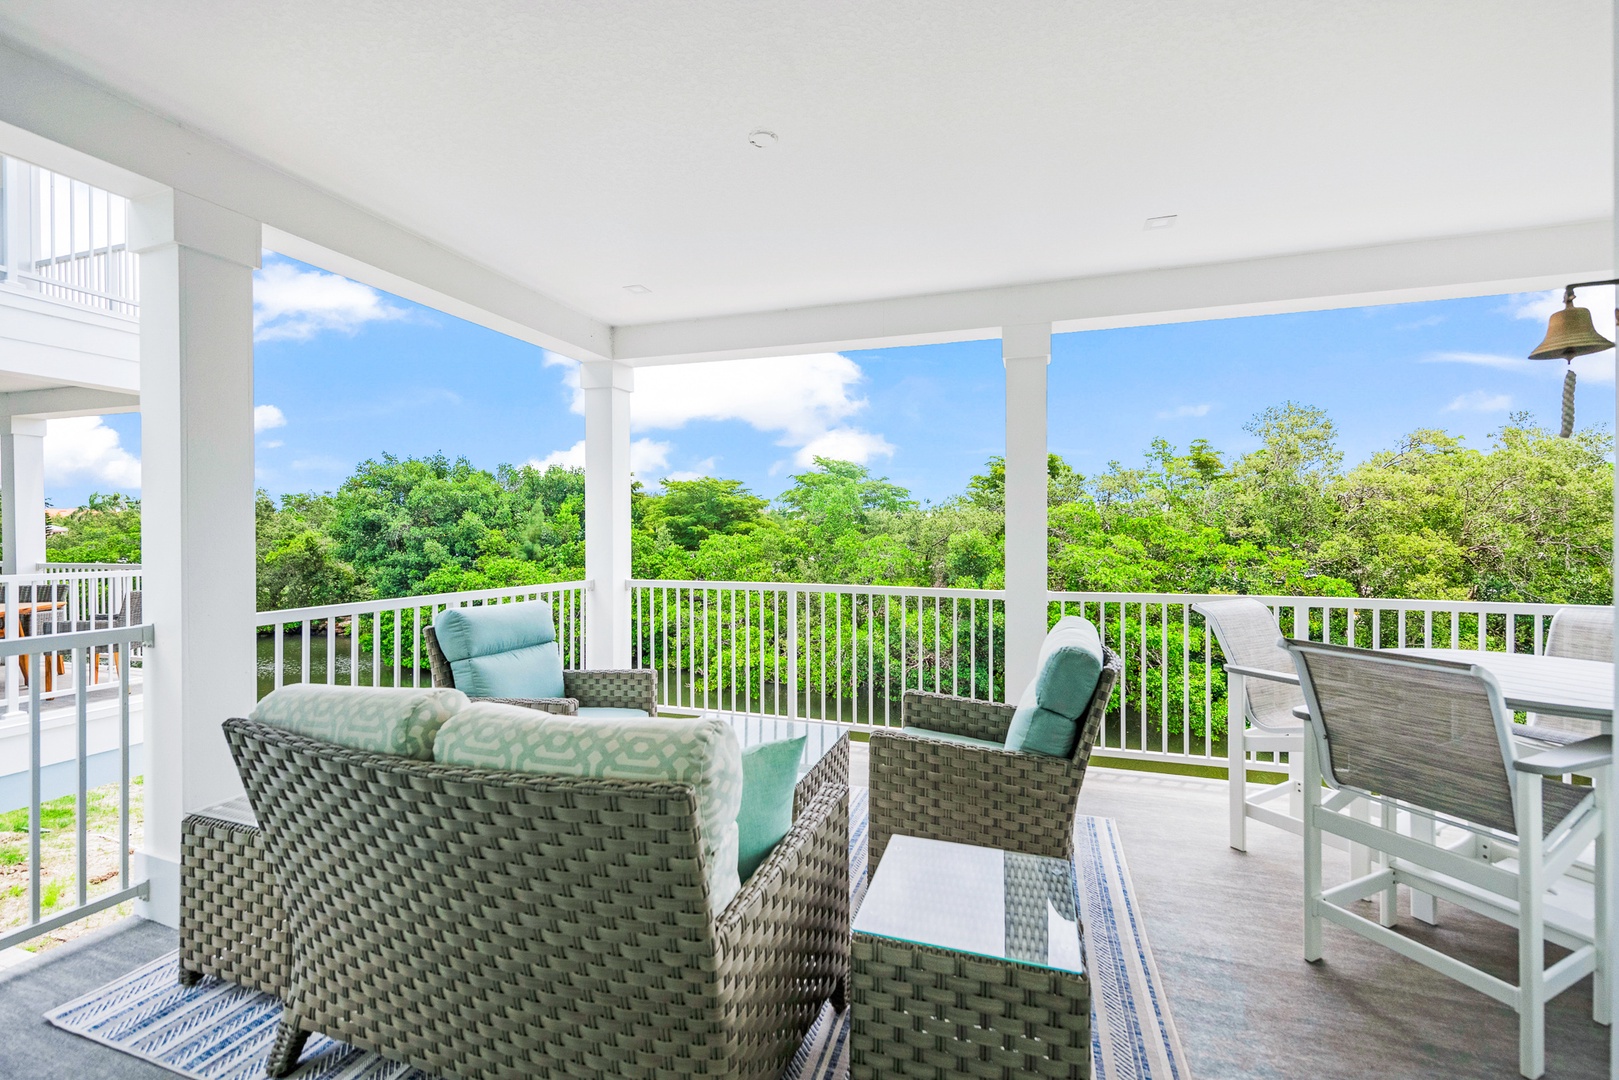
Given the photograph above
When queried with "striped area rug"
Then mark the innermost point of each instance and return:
(215, 1031)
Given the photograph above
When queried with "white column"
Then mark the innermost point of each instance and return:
(22, 493)
(1026, 350)
(197, 262)
(607, 385)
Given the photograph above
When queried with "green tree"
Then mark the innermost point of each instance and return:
(106, 529)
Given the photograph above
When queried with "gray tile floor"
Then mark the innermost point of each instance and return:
(1225, 927)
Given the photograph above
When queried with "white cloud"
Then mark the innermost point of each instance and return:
(806, 401)
(1489, 360)
(703, 468)
(646, 456)
(1597, 367)
(266, 417)
(1480, 401)
(273, 444)
(82, 448)
(1186, 410)
(290, 304)
(843, 444)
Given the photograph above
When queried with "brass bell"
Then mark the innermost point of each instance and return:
(1569, 333)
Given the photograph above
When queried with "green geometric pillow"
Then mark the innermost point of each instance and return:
(703, 754)
(384, 720)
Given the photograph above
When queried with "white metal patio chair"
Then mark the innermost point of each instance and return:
(1580, 634)
(1262, 689)
(1434, 736)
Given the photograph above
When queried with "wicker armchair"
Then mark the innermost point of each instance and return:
(600, 689)
(475, 923)
(982, 795)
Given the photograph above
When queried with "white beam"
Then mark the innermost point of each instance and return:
(50, 103)
(1517, 261)
(60, 401)
(1026, 351)
(606, 386)
(22, 494)
(197, 263)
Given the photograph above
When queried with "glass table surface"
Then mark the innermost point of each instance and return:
(819, 739)
(997, 904)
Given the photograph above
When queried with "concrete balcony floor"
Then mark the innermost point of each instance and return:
(1225, 927)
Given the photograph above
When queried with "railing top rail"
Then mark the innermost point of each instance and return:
(1359, 603)
(399, 603)
(813, 587)
(140, 634)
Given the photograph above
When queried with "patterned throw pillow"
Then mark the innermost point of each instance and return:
(381, 719)
(703, 753)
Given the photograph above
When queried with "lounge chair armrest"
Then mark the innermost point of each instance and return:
(956, 715)
(1289, 677)
(565, 706)
(1593, 753)
(1302, 712)
(614, 689)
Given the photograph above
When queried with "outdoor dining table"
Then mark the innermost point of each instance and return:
(22, 611)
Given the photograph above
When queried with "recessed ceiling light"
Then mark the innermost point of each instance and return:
(1165, 222)
(637, 289)
(762, 139)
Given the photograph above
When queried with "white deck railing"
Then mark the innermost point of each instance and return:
(67, 240)
(58, 601)
(52, 903)
(380, 643)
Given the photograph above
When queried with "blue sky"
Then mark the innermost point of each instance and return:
(343, 373)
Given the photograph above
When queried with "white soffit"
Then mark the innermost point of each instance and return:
(922, 148)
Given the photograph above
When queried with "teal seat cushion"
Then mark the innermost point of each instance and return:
(950, 736)
(383, 720)
(1066, 673)
(769, 775)
(703, 754)
(502, 650)
(603, 712)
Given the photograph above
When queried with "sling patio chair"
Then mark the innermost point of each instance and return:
(1579, 634)
(1434, 737)
(1263, 690)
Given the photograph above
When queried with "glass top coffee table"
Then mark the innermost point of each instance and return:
(826, 748)
(970, 958)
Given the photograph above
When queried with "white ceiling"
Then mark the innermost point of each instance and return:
(924, 147)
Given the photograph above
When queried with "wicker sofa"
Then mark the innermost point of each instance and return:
(597, 689)
(987, 796)
(476, 923)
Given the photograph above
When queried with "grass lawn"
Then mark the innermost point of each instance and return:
(58, 860)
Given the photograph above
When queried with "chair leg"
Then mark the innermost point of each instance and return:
(1424, 906)
(1312, 852)
(1237, 758)
(189, 977)
(1531, 930)
(1360, 856)
(1601, 989)
(288, 1046)
(1388, 901)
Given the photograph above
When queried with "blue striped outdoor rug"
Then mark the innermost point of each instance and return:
(216, 1031)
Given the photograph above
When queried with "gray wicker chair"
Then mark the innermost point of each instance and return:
(987, 796)
(477, 924)
(1579, 634)
(1435, 737)
(595, 689)
(1263, 690)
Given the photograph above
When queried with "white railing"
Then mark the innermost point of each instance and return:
(66, 240)
(64, 892)
(380, 642)
(58, 602)
(848, 652)
(828, 652)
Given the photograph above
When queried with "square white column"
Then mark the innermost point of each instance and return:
(1026, 351)
(22, 493)
(607, 385)
(197, 262)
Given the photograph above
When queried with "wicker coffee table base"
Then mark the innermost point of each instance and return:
(936, 1014)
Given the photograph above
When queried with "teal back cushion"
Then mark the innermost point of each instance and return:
(502, 650)
(1066, 673)
(769, 775)
(381, 719)
(702, 753)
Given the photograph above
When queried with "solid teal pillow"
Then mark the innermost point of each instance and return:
(1066, 673)
(769, 775)
(502, 650)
